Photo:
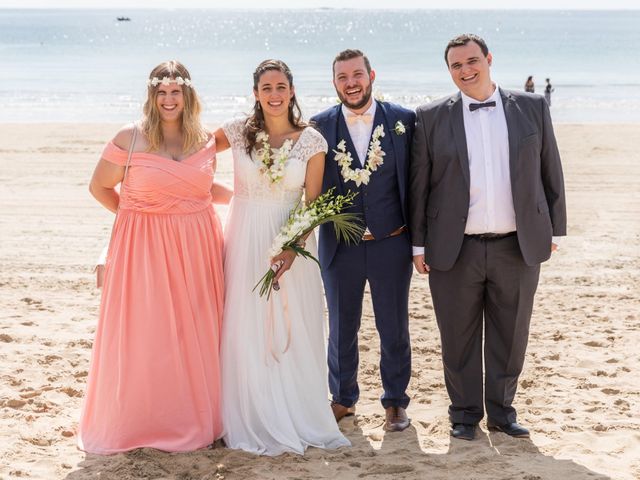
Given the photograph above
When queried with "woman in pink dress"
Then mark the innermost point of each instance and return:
(154, 376)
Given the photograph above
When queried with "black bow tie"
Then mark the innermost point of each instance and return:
(475, 106)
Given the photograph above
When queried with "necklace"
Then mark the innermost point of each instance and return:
(374, 159)
(273, 160)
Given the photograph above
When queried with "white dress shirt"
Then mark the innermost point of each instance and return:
(360, 131)
(490, 199)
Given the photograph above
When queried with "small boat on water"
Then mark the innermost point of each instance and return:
(123, 19)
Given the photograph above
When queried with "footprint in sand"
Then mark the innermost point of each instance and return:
(49, 359)
(72, 392)
(623, 404)
(527, 383)
(610, 391)
(40, 442)
(31, 301)
(15, 403)
(6, 338)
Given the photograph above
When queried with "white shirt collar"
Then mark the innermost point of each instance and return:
(495, 97)
(371, 110)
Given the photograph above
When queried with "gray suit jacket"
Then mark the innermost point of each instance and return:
(439, 178)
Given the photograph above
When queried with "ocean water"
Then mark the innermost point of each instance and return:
(85, 66)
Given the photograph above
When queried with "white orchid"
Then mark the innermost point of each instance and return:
(273, 160)
(375, 159)
(303, 219)
(400, 129)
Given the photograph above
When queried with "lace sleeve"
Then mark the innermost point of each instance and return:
(234, 130)
(313, 143)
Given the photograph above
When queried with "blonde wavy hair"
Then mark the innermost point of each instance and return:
(193, 131)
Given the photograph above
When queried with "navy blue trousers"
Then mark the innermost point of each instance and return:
(387, 266)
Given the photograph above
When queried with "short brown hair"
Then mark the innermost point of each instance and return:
(348, 54)
(462, 40)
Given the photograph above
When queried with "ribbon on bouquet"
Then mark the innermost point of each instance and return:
(271, 322)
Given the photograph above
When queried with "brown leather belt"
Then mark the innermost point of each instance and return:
(395, 233)
(490, 236)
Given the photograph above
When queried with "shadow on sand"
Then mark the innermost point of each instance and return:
(491, 456)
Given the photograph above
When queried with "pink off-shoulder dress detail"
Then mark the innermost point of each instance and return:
(154, 379)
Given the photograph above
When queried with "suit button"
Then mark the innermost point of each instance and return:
(463, 219)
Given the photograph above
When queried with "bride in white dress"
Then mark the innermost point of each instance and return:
(273, 354)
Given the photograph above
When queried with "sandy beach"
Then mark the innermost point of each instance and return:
(579, 392)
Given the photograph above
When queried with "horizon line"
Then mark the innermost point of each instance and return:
(134, 7)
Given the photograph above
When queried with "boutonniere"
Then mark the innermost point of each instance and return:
(374, 159)
(400, 129)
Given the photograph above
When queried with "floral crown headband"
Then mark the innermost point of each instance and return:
(155, 81)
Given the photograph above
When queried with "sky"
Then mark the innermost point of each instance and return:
(262, 4)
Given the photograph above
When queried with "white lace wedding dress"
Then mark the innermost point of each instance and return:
(273, 401)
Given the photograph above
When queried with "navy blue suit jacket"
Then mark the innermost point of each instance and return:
(327, 122)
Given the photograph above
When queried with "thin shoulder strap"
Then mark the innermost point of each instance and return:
(133, 141)
(126, 167)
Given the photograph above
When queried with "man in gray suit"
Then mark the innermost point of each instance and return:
(486, 202)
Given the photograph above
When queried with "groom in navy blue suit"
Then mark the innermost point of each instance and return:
(369, 146)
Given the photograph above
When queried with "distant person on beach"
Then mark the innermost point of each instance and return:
(486, 195)
(547, 91)
(154, 379)
(274, 375)
(369, 144)
(529, 86)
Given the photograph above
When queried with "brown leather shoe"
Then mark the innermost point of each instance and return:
(340, 411)
(396, 419)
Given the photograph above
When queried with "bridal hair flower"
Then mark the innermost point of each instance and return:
(155, 81)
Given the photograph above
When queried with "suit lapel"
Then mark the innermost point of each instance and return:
(457, 126)
(398, 151)
(338, 133)
(512, 118)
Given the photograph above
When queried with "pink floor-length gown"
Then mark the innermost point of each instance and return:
(155, 374)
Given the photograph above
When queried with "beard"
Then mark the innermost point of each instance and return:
(356, 106)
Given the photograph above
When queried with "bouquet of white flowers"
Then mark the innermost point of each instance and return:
(303, 219)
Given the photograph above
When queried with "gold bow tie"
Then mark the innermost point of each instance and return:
(365, 118)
